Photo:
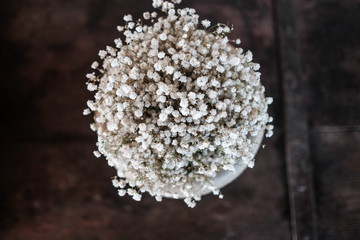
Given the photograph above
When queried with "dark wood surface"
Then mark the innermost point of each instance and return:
(306, 182)
(298, 166)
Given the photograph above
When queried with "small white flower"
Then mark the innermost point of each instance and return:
(220, 69)
(134, 73)
(159, 147)
(121, 192)
(183, 79)
(269, 100)
(132, 95)
(194, 62)
(158, 66)
(201, 81)
(118, 42)
(161, 99)
(102, 54)
(248, 56)
(234, 61)
(95, 65)
(146, 15)
(176, 113)
(137, 197)
(112, 126)
(154, 14)
(184, 111)
(212, 94)
(86, 111)
(131, 25)
(206, 23)
(177, 74)
(138, 113)
(184, 102)
(97, 154)
(92, 87)
(128, 18)
(169, 69)
(163, 117)
(139, 29)
(161, 55)
(171, 12)
(163, 36)
(192, 95)
(169, 109)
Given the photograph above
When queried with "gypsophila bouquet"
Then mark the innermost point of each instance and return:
(175, 102)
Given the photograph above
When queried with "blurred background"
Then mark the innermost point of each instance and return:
(306, 182)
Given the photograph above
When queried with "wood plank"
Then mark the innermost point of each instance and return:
(299, 169)
(337, 178)
(51, 185)
(49, 49)
(60, 191)
(329, 35)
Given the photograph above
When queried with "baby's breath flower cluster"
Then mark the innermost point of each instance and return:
(175, 102)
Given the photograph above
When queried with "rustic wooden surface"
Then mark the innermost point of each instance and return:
(329, 37)
(306, 182)
(297, 150)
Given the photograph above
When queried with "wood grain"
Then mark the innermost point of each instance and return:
(52, 187)
(337, 181)
(297, 150)
(329, 36)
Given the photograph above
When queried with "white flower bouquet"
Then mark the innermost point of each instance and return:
(176, 103)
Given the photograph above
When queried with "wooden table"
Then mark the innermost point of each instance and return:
(306, 182)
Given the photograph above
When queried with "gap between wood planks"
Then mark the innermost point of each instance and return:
(297, 149)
